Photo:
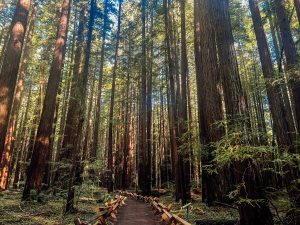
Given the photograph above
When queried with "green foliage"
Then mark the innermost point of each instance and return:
(106, 197)
(232, 148)
(36, 196)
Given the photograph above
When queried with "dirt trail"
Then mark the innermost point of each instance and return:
(136, 213)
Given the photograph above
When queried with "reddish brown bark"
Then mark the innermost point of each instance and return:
(110, 166)
(76, 113)
(149, 89)
(235, 101)
(10, 66)
(172, 110)
(144, 162)
(74, 107)
(22, 143)
(66, 95)
(126, 147)
(92, 12)
(210, 107)
(41, 148)
(183, 114)
(283, 130)
(86, 145)
(36, 115)
(95, 146)
(10, 137)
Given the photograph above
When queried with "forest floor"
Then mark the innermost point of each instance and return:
(49, 211)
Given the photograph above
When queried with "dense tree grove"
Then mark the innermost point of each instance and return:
(195, 96)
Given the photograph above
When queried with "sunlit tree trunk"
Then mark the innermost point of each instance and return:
(10, 137)
(41, 148)
(22, 143)
(76, 113)
(87, 138)
(60, 151)
(10, 66)
(282, 128)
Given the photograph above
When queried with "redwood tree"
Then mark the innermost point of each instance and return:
(94, 149)
(183, 112)
(10, 65)
(8, 150)
(76, 112)
(41, 148)
(144, 170)
(112, 104)
(291, 56)
(210, 108)
(283, 129)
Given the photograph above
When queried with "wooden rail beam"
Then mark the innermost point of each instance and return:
(107, 212)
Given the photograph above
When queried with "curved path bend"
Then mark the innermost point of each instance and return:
(136, 213)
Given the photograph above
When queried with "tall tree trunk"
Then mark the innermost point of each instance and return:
(253, 189)
(283, 129)
(110, 185)
(278, 53)
(41, 148)
(86, 145)
(210, 107)
(144, 171)
(22, 143)
(292, 60)
(172, 112)
(235, 102)
(60, 151)
(125, 180)
(149, 89)
(36, 116)
(234, 98)
(88, 54)
(290, 54)
(10, 66)
(10, 137)
(76, 111)
(98, 102)
(183, 118)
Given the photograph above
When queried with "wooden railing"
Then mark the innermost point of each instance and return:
(106, 212)
(165, 211)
